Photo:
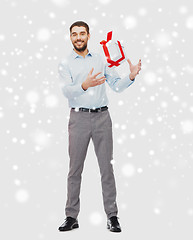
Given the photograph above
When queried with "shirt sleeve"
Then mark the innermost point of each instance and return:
(115, 82)
(69, 88)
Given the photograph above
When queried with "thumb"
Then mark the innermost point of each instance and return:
(91, 71)
(129, 61)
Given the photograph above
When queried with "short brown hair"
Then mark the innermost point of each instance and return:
(80, 24)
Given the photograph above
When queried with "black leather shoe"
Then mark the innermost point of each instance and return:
(113, 224)
(69, 224)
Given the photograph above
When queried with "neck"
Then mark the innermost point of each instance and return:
(82, 53)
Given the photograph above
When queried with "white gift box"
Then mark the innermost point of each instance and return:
(115, 51)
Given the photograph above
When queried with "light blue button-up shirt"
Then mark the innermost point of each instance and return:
(74, 70)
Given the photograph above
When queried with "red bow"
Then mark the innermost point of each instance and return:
(109, 60)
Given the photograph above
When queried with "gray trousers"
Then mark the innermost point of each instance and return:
(81, 127)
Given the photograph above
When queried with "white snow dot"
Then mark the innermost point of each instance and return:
(91, 92)
(1, 114)
(139, 170)
(151, 152)
(40, 138)
(24, 125)
(51, 101)
(187, 126)
(152, 98)
(159, 119)
(142, 12)
(14, 140)
(128, 170)
(22, 195)
(143, 89)
(93, 21)
(52, 15)
(143, 132)
(150, 121)
(38, 55)
(162, 39)
(190, 212)
(17, 182)
(3, 72)
(21, 115)
(60, 3)
(123, 126)
(113, 162)
(32, 97)
(189, 22)
(15, 167)
(188, 69)
(120, 102)
(175, 98)
(164, 104)
(2, 37)
(95, 218)
(22, 141)
(43, 34)
(150, 78)
(132, 135)
(183, 9)
(104, 1)
(173, 136)
(130, 22)
(157, 211)
(129, 154)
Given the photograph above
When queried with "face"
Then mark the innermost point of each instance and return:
(79, 38)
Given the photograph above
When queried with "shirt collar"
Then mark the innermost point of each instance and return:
(76, 55)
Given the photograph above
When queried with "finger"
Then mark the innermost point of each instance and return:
(129, 61)
(98, 79)
(96, 74)
(91, 71)
(101, 81)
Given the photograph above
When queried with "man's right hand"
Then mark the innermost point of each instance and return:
(92, 81)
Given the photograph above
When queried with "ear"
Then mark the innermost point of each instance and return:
(89, 36)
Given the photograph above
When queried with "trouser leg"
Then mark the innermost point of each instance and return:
(79, 137)
(103, 144)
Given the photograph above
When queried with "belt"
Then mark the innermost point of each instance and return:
(91, 109)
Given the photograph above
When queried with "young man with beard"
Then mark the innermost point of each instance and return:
(90, 119)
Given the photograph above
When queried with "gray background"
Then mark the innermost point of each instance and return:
(152, 120)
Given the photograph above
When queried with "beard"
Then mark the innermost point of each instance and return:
(80, 49)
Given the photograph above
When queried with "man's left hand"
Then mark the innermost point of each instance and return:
(134, 69)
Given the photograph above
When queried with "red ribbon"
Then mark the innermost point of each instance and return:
(106, 51)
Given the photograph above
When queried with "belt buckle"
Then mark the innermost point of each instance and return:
(100, 109)
(92, 110)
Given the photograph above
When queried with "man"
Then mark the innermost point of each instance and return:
(90, 118)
